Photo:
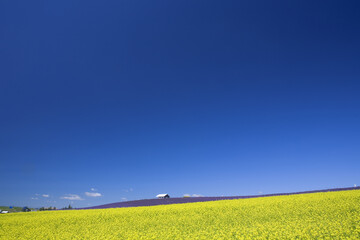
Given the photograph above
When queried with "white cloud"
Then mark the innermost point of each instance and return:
(124, 199)
(45, 195)
(93, 194)
(72, 197)
(34, 198)
(197, 195)
(93, 189)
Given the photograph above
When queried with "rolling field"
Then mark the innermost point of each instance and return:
(330, 215)
(14, 209)
(154, 202)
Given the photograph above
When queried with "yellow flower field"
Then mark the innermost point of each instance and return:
(332, 215)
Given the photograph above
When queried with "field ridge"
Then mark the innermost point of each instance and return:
(155, 202)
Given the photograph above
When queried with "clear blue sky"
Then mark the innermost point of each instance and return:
(135, 98)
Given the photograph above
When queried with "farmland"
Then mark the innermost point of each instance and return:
(325, 215)
(154, 202)
(13, 209)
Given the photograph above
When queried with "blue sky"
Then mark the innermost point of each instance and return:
(128, 99)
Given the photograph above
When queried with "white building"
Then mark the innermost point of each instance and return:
(163, 195)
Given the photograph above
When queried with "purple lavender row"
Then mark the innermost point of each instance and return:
(154, 202)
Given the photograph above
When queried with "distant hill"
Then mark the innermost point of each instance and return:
(13, 209)
(154, 202)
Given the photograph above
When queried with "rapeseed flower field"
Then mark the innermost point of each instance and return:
(331, 215)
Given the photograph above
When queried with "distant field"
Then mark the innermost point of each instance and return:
(14, 209)
(154, 202)
(332, 215)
